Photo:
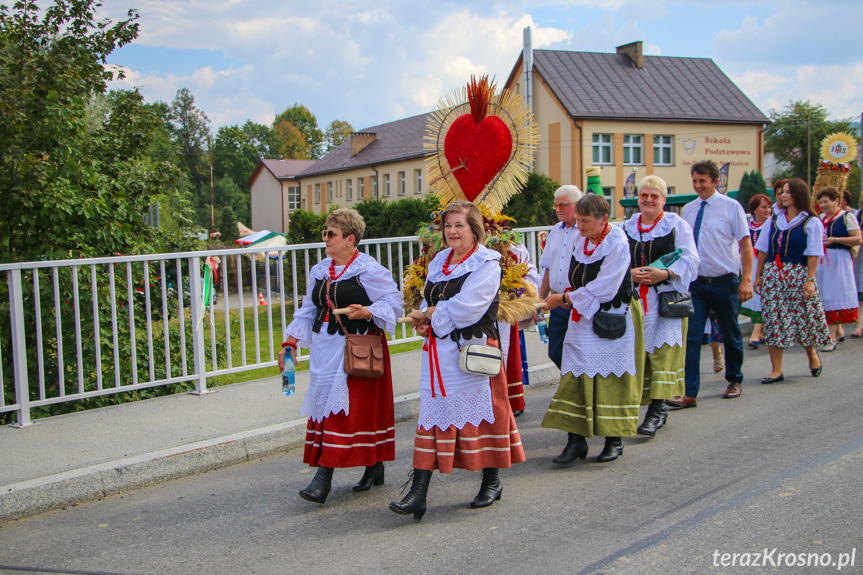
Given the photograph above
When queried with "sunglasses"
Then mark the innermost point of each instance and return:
(328, 234)
(561, 206)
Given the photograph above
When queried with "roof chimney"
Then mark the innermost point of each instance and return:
(633, 50)
(360, 140)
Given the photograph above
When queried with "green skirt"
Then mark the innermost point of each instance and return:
(601, 406)
(664, 371)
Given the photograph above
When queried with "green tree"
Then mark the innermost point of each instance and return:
(305, 227)
(751, 183)
(336, 133)
(237, 151)
(795, 135)
(190, 128)
(533, 205)
(305, 122)
(290, 143)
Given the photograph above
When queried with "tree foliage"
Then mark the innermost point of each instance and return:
(751, 183)
(299, 117)
(533, 205)
(795, 135)
(337, 132)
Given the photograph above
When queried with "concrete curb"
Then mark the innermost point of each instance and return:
(27, 498)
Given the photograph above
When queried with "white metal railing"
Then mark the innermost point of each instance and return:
(86, 328)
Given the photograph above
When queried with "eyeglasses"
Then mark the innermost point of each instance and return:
(328, 234)
(561, 206)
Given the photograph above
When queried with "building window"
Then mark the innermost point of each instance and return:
(609, 195)
(671, 190)
(293, 198)
(374, 187)
(361, 189)
(419, 179)
(317, 193)
(602, 148)
(402, 183)
(387, 185)
(662, 146)
(329, 191)
(632, 155)
(350, 190)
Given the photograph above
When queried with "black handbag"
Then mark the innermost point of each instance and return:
(609, 325)
(675, 304)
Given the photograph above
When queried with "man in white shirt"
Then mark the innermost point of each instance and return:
(555, 260)
(722, 237)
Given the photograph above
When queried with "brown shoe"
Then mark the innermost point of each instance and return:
(733, 390)
(681, 402)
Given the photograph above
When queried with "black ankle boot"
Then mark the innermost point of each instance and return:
(576, 448)
(663, 414)
(490, 490)
(651, 418)
(373, 475)
(415, 501)
(319, 488)
(612, 450)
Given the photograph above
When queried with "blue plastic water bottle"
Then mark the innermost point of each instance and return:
(288, 373)
(541, 325)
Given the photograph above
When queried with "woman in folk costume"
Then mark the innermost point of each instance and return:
(511, 334)
(652, 234)
(600, 388)
(351, 419)
(835, 273)
(465, 420)
(788, 252)
(760, 208)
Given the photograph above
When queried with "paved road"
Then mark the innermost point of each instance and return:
(779, 468)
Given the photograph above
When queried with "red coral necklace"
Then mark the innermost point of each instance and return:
(588, 252)
(446, 270)
(333, 275)
(653, 225)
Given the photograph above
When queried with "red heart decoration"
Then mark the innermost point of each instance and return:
(482, 149)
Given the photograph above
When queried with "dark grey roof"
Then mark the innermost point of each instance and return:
(399, 140)
(287, 169)
(596, 85)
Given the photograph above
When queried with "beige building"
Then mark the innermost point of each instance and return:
(275, 193)
(627, 112)
(382, 162)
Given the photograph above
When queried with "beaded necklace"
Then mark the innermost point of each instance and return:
(446, 270)
(653, 225)
(333, 275)
(602, 237)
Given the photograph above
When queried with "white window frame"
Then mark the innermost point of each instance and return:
(350, 190)
(402, 183)
(294, 199)
(374, 187)
(603, 143)
(419, 181)
(662, 144)
(329, 192)
(386, 185)
(361, 188)
(633, 145)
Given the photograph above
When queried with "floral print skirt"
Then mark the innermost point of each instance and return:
(788, 317)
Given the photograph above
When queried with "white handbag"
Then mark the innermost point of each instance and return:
(480, 359)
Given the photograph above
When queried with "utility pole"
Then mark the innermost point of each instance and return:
(212, 196)
(809, 153)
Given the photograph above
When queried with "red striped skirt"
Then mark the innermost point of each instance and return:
(364, 437)
(473, 447)
(515, 385)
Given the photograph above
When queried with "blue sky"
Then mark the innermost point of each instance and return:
(373, 61)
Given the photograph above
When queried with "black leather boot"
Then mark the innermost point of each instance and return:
(373, 475)
(651, 418)
(576, 448)
(612, 450)
(663, 415)
(319, 488)
(415, 501)
(490, 490)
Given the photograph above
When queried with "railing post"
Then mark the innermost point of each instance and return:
(198, 354)
(19, 349)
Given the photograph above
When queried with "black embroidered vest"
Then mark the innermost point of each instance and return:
(342, 294)
(645, 253)
(582, 274)
(445, 290)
